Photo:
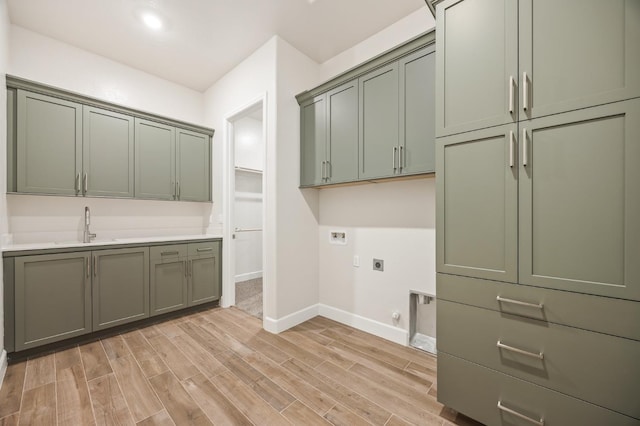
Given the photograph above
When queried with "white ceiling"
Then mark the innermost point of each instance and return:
(203, 39)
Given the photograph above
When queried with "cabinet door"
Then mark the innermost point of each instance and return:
(204, 272)
(477, 63)
(193, 166)
(378, 136)
(418, 112)
(573, 62)
(342, 132)
(52, 298)
(313, 137)
(49, 153)
(155, 160)
(168, 285)
(580, 201)
(477, 204)
(107, 153)
(120, 286)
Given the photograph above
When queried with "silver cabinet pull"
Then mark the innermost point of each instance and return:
(178, 190)
(88, 267)
(525, 148)
(521, 416)
(395, 152)
(329, 170)
(512, 83)
(517, 302)
(525, 91)
(501, 345)
(512, 141)
(95, 266)
(167, 253)
(78, 183)
(322, 169)
(173, 190)
(191, 268)
(86, 183)
(401, 158)
(204, 249)
(184, 265)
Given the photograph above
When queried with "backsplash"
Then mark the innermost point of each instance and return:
(34, 218)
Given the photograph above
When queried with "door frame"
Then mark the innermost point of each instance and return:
(228, 190)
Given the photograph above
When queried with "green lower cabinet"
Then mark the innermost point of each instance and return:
(120, 286)
(168, 280)
(204, 273)
(52, 298)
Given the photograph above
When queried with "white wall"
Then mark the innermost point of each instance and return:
(4, 59)
(251, 81)
(249, 153)
(46, 60)
(393, 221)
(41, 219)
(408, 27)
(297, 210)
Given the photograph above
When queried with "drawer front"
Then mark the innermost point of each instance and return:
(598, 368)
(205, 249)
(602, 314)
(475, 391)
(168, 253)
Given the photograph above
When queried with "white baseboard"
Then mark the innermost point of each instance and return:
(3, 366)
(279, 325)
(248, 276)
(385, 331)
(388, 332)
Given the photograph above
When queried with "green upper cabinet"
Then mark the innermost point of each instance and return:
(313, 140)
(193, 166)
(49, 144)
(577, 53)
(477, 64)
(477, 204)
(342, 134)
(107, 153)
(155, 147)
(378, 135)
(501, 61)
(63, 143)
(417, 112)
(580, 201)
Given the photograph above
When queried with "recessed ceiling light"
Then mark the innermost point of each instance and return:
(152, 21)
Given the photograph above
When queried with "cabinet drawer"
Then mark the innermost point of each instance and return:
(602, 314)
(475, 391)
(168, 252)
(596, 367)
(206, 249)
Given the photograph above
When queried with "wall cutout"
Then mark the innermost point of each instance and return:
(338, 237)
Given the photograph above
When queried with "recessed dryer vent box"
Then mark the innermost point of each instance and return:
(338, 237)
(422, 321)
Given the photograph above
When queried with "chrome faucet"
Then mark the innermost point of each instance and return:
(88, 236)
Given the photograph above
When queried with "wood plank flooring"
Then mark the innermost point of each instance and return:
(220, 367)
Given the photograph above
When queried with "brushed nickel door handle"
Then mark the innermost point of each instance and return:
(518, 302)
(520, 415)
(512, 141)
(525, 91)
(512, 83)
(501, 345)
(525, 148)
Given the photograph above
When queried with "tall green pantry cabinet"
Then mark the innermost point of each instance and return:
(538, 210)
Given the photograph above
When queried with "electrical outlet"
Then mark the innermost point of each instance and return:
(378, 265)
(356, 261)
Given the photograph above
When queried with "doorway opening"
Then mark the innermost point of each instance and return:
(245, 219)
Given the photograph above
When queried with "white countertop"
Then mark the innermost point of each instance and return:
(105, 242)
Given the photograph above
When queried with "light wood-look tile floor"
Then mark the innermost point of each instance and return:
(220, 367)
